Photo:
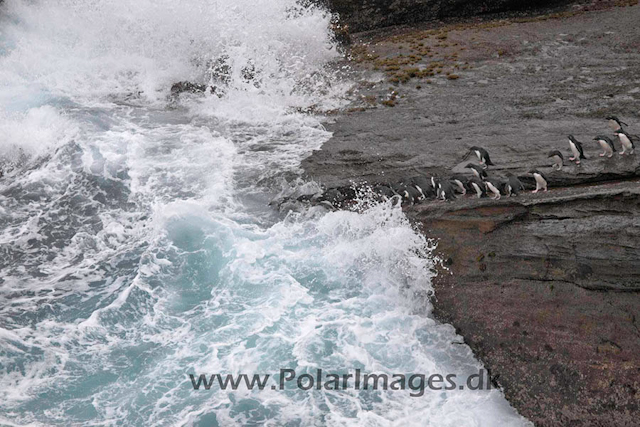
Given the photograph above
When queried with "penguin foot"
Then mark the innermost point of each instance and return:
(578, 162)
(603, 154)
(572, 158)
(534, 191)
(610, 155)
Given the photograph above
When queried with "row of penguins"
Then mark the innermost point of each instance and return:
(627, 144)
(483, 185)
(419, 188)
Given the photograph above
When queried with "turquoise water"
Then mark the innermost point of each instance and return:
(139, 244)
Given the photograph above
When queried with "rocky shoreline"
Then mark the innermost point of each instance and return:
(545, 288)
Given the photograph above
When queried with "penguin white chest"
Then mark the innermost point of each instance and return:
(493, 188)
(574, 149)
(539, 180)
(604, 145)
(614, 125)
(624, 140)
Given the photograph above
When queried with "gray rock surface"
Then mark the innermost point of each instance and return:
(545, 287)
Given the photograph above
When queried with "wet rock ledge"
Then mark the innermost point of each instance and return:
(545, 287)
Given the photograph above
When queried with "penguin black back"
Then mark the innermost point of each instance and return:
(555, 153)
(478, 170)
(578, 146)
(483, 155)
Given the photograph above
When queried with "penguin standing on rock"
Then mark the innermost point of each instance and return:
(607, 145)
(413, 188)
(615, 123)
(401, 190)
(478, 186)
(558, 159)
(445, 190)
(422, 185)
(478, 171)
(409, 194)
(541, 180)
(414, 195)
(385, 192)
(513, 187)
(482, 155)
(626, 141)
(459, 183)
(576, 149)
(434, 183)
(493, 185)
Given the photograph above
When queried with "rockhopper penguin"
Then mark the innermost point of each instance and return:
(558, 159)
(513, 187)
(615, 123)
(607, 145)
(478, 171)
(541, 180)
(482, 155)
(493, 185)
(626, 141)
(576, 149)
(478, 186)
(459, 183)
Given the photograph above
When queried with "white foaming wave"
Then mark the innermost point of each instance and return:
(177, 164)
(352, 283)
(265, 295)
(336, 291)
(92, 50)
(33, 133)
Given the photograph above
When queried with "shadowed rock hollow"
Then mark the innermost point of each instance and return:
(363, 15)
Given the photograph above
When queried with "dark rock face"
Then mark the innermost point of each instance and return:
(588, 236)
(362, 15)
(545, 288)
(546, 292)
